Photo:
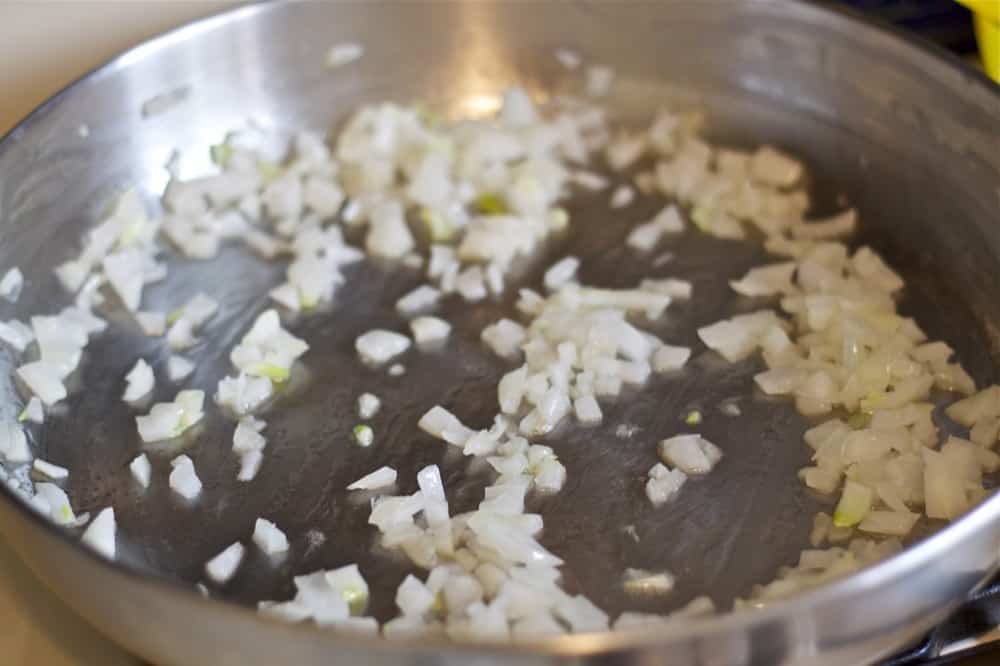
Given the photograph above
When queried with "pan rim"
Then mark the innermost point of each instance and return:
(860, 583)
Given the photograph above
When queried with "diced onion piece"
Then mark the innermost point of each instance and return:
(622, 196)
(14, 443)
(770, 166)
(33, 411)
(587, 410)
(855, 503)
(668, 358)
(378, 346)
(223, 566)
(16, 334)
(179, 368)
(271, 540)
(54, 472)
(420, 299)
(100, 535)
(429, 330)
(364, 436)
(250, 463)
(890, 523)
(504, 337)
(560, 273)
(183, 478)
(368, 405)
(663, 484)
(141, 469)
(11, 284)
(139, 382)
(44, 380)
(693, 454)
(380, 478)
(153, 324)
(442, 424)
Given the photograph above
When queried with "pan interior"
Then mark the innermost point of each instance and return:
(720, 537)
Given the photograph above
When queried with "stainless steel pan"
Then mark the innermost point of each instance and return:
(905, 133)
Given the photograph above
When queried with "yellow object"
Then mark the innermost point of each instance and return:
(986, 21)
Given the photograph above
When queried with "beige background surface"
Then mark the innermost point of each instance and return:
(44, 46)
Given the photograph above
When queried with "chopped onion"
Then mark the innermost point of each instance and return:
(223, 566)
(429, 330)
(33, 411)
(11, 284)
(141, 469)
(100, 535)
(179, 368)
(139, 382)
(380, 478)
(16, 334)
(54, 472)
(622, 196)
(560, 273)
(44, 380)
(271, 540)
(420, 299)
(183, 478)
(378, 346)
(368, 405)
(14, 443)
(693, 454)
(153, 324)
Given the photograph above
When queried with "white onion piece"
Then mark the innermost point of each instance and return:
(442, 424)
(504, 337)
(33, 411)
(141, 469)
(167, 420)
(44, 380)
(124, 271)
(429, 330)
(421, 299)
(668, 358)
(223, 566)
(413, 598)
(17, 334)
(139, 382)
(560, 273)
(271, 540)
(183, 478)
(587, 410)
(368, 405)
(693, 454)
(100, 535)
(380, 478)
(243, 394)
(378, 346)
(153, 324)
(663, 484)
(14, 443)
(11, 284)
(54, 472)
(179, 368)
(622, 196)
(770, 166)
